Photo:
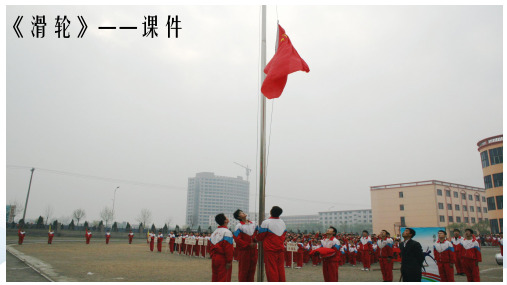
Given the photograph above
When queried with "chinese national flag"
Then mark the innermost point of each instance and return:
(285, 61)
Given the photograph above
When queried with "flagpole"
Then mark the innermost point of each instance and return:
(262, 166)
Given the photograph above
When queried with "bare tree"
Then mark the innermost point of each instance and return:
(78, 215)
(144, 217)
(48, 213)
(106, 214)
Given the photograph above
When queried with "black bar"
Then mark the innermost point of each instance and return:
(107, 28)
(128, 28)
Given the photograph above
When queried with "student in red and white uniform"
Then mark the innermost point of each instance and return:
(366, 248)
(88, 236)
(108, 236)
(471, 256)
(208, 247)
(152, 241)
(315, 258)
(221, 251)
(189, 249)
(272, 232)
(330, 264)
(51, 234)
(246, 245)
(343, 253)
(171, 239)
(160, 240)
(131, 236)
(385, 248)
(352, 253)
(457, 243)
(21, 236)
(444, 256)
(299, 254)
(306, 253)
(287, 254)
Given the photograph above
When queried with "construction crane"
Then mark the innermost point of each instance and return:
(247, 170)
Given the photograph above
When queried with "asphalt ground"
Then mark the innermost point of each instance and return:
(73, 260)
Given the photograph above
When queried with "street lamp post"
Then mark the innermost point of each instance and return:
(114, 197)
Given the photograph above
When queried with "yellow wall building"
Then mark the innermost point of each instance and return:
(491, 152)
(430, 203)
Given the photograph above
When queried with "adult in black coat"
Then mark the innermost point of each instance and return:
(412, 257)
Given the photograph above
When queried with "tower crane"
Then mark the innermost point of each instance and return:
(247, 170)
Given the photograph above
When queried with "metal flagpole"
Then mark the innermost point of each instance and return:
(27, 195)
(262, 166)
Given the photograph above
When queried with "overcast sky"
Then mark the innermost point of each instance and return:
(394, 94)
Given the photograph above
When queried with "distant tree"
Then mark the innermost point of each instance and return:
(71, 225)
(144, 217)
(128, 227)
(153, 228)
(100, 226)
(115, 227)
(86, 225)
(107, 215)
(199, 229)
(40, 223)
(55, 226)
(188, 229)
(459, 226)
(21, 223)
(48, 213)
(482, 227)
(177, 229)
(78, 214)
(165, 229)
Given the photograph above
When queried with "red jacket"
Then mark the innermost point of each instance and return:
(444, 252)
(221, 244)
(471, 250)
(244, 235)
(272, 231)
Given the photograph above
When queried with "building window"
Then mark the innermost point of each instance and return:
(471, 208)
(402, 220)
(470, 197)
(473, 220)
(466, 219)
(496, 155)
(441, 206)
(484, 210)
(494, 226)
(483, 199)
(478, 209)
(456, 207)
(480, 220)
(458, 219)
(487, 182)
(439, 192)
(447, 193)
(463, 196)
(499, 202)
(449, 206)
(401, 194)
(484, 159)
(442, 218)
(402, 207)
(451, 220)
(465, 208)
(477, 198)
(498, 179)
(491, 203)
(455, 194)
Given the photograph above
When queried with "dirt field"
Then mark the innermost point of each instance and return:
(120, 261)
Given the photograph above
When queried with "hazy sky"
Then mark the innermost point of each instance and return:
(394, 94)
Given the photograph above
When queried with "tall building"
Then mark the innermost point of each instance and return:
(301, 222)
(491, 151)
(426, 204)
(209, 195)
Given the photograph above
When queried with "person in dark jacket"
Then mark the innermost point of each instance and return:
(412, 257)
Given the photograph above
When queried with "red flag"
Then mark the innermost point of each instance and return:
(285, 61)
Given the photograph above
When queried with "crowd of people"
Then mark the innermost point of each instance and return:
(329, 250)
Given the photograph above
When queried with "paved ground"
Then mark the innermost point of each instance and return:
(119, 261)
(18, 271)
